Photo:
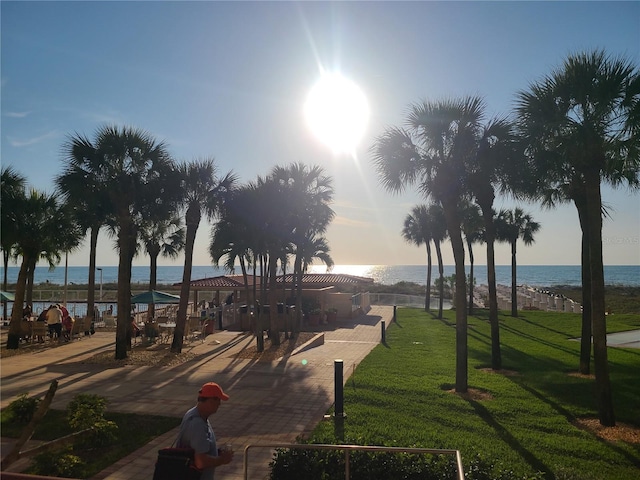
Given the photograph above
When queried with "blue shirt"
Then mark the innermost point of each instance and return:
(196, 433)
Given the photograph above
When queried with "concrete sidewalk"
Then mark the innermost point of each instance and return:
(270, 402)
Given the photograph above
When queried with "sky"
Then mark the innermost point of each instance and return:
(229, 80)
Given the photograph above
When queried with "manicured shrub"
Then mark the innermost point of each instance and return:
(24, 408)
(59, 464)
(86, 411)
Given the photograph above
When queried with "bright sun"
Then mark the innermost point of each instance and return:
(337, 112)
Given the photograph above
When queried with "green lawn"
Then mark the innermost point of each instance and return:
(400, 395)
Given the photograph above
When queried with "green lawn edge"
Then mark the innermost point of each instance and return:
(401, 395)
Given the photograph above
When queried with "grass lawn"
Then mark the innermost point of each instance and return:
(524, 417)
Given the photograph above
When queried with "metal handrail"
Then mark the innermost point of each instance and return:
(348, 448)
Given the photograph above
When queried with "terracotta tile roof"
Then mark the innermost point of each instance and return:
(216, 283)
(233, 282)
(327, 279)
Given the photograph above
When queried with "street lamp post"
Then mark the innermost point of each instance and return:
(100, 270)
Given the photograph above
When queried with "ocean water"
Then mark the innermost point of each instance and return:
(534, 275)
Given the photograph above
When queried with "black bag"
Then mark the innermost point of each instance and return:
(176, 464)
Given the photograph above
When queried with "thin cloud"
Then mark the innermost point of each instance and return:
(350, 222)
(18, 143)
(16, 114)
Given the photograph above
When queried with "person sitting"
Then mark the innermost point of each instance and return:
(135, 329)
(67, 326)
(54, 321)
(27, 312)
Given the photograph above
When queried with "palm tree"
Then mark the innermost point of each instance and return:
(81, 185)
(136, 175)
(309, 192)
(512, 225)
(473, 233)
(202, 193)
(438, 235)
(417, 230)
(437, 151)
(161, 237)
(580, 124)
(36, 231)
(12, 192)
(499, 167)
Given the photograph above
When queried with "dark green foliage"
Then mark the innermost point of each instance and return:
(59, 463)
(87, 411)
(23, 408)
(294, 464)
(89, 455)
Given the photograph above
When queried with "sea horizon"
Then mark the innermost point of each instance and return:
(534, 275)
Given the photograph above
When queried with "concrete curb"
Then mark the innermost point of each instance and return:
(314, 342)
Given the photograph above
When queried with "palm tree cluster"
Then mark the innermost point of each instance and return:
(125, 181)
(571, 131)
(281, 216)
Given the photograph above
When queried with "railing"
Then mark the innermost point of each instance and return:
(349, 448)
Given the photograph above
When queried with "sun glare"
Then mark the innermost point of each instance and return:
(337, 112)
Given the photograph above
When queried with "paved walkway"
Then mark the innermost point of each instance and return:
(270, 402)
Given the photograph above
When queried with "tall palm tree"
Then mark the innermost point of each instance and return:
(512, 225)
(417, 230)
(309, 192)
(581, 123)
(499, 167)
(436, 152)
(232, 235)
(36, 231)
(438, 235)
(162, 236)
(202, 193)
(473, 233)
(81, 185)
(136, 174)
(12, 195)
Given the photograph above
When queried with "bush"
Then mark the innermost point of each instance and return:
(86, 411)
(24, 408)
(59, 463)
(329, 465)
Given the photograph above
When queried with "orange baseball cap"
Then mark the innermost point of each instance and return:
(212, 390)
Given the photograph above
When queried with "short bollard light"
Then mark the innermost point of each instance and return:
(338, 365)
(383, 332)
(394, 313)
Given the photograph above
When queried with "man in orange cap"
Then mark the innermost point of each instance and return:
(196, 431)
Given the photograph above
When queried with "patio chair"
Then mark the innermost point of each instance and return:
(109, 320)
(87, 326)
(38, 331)
(195, 329)
(76, 328)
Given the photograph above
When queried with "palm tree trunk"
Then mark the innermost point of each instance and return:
(31, 272)
(153, 280)
(496, 355)
(514, 269)
(274, 331)
(462, 353)
(5, 258)
(192, 221)
(490, 238)
(470, 277)
(15, 327)
(585, 339)
(91, 292)
(427, 297)
(441, 273)
(598, 319)
(124, 285)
